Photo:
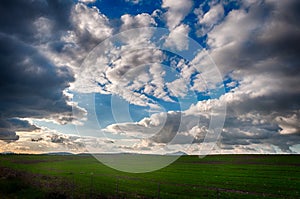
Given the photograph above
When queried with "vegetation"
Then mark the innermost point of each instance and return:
(216, 176)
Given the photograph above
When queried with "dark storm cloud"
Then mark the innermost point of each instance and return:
(30, 84)
(18, 16)
(237, 137)
(17, 125)
(44, 24)
(8, 136)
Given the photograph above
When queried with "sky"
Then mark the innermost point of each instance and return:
(153, 77)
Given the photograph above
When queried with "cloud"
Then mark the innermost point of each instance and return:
(8, 128)
(264, 62)
(127, 70)
(169, 129)
(89, 23)
(207, 20)
(32, 85)
(243, 132)
(137, 21)
(257, 46)
(213, 15)
(165, 130)
(57, 139)
(123, 77)
(176, 11)
(8, 136)
(177, 88)
(289, 124)
(87, 1)
(178, 38)
(86, 28)
(43, 141)
(26, 13)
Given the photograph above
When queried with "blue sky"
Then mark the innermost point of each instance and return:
(150, 76)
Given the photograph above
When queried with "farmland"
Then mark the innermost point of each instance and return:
(215, 176)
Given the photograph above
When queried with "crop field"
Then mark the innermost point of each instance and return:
(215, 176)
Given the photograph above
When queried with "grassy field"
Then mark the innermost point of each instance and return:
(217, 176)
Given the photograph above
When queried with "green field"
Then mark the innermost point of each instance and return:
(216, 176)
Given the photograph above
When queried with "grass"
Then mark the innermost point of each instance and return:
(217, 176)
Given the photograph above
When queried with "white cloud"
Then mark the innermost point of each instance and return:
(176, 11)
(43, 141)
(126, 69)
(209, 77)
(178, 38)
(87, 1)
(87, 28)
(209, 19)
(91, 21)
(229, 32)
(138, 21)
(178, 87)
(289, 125)
(250, 43)
(156, 86)
(124, 76)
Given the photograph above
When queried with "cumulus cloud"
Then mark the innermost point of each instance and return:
(254, 49)
(90, 23)
(171, 131)
(125, 76)
(178, 38)
(253, 45)
(176, 11)
(213, 15)
(207, 20)
(137, 21)
(86, 27)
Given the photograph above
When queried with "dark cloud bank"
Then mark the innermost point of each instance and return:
(259, 45)
(30, 84)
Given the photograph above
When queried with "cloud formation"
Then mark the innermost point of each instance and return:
(176, 11)
(254, 43)
(256, 46)
(32, 85)
(259, 43)
(206, 21)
